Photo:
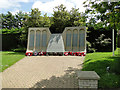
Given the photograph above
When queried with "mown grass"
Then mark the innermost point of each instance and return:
(9, 58)
(98, 62)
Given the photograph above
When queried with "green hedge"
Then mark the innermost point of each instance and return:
(12, 31)
(10, 41)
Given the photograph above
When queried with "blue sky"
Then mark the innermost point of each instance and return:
(45, 6)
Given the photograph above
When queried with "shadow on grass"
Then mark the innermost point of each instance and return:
(115, 65)
(87, 60)
(100, 65)
(68, 80)
(109, 77)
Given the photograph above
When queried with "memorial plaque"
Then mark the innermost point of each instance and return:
(44, 39)
(68, 40)
(81, 40)
(31, 40)
(75, 38)
(38, 40)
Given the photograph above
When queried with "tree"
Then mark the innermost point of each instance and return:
(46, 21)
(10, 21)
(19, 18)
(77, 18)
(33, 19)
(63, 18)
(104, 12)
(102, 16)
(60, 18)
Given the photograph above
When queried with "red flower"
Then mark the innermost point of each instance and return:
(70, 53)
(79, 53)
(75, 53)
(29, 54)
(41, 53)
(83, 54)
(66, 53)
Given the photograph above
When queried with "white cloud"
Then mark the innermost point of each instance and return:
(22, 0)
(79, 4)
(48, 6)
(5, 4)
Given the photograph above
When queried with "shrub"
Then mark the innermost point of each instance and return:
(102, 43)
(15, 37)
(93, 34)
(89, 48)
(10, 41)
(12, 31)
(21, 49)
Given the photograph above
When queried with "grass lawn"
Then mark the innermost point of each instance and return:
(9, 58)
(98, 62)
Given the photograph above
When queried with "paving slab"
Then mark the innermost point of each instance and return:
(43, 72)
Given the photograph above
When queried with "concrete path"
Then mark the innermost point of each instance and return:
(43, 72)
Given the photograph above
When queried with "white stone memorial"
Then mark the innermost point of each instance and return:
(72, 39)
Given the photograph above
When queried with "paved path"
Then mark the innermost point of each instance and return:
(43, 72)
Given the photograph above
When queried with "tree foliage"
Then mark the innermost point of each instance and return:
(63, 18)
(10, 21)
(34, 19)
(104, 12)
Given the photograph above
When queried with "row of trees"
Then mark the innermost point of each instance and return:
(20, 22)
(98, 15)
(60, 19)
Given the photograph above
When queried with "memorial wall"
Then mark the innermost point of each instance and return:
(38, 39)
(74, 39)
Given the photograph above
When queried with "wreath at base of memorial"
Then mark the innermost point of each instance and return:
(29, 54)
